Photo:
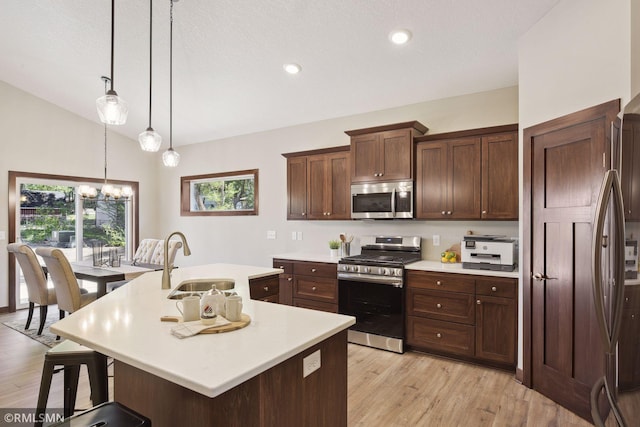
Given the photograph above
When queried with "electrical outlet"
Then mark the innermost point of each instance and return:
(299, 235)
(294, 235)
(271, 235)
(311, 363)
(436, 240)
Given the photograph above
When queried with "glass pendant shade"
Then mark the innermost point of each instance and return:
(107, 190)
(127, 191)
(112, 109)
(171, 158)
(150, 140)
(87, 192)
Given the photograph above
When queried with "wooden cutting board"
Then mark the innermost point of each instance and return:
(233, 326)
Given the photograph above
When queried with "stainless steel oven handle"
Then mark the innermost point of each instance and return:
(380, 280)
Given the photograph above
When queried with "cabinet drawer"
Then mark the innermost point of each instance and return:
(441, 282)
(316, 288)
(287, 266)
(449, 306)
(443, 336)
(315, 305)
(264, 288)
(315, 269)
(505, 288)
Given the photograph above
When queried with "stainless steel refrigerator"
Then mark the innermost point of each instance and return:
(615, 398)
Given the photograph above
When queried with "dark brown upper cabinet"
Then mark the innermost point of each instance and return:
(318, 184)
(470, 174)
(631, 167)
(384, 153)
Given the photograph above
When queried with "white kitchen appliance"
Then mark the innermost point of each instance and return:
(498, 253)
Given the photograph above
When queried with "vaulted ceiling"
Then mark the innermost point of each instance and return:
(228, 76)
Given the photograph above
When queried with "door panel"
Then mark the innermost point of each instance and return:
(565, 160)
(431, 176)
(464, 178)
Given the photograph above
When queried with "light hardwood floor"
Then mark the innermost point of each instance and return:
(385, 389)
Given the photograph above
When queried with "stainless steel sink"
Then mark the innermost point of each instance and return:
(199, 286)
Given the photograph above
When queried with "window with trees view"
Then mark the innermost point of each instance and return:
(228, 193)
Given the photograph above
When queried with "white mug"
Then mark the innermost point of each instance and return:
(190, 308)
(234, 308)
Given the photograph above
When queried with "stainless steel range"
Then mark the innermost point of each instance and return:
(371, 288)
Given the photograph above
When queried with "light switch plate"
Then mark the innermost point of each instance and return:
(271, 234)
(294, 235)
(299, 235)
(2, 235)
(311, 363)
(436, 240)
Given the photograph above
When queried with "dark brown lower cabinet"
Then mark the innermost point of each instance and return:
(308, 284)
(466, 316)
(629, 357)
(265, 288)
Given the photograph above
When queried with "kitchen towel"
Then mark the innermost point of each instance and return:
(188, 329)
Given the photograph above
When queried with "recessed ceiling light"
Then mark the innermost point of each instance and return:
(292, 68)
(400, 36)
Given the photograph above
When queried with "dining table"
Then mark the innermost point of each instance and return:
(101, 275)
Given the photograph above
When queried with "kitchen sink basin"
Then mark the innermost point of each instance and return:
(199, 286)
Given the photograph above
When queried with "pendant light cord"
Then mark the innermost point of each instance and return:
(105, 140)
(171, 77)
(150, 55)
(113, 2)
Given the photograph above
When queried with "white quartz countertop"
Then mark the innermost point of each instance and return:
(125, 324)
(441, 267)
(314, 257)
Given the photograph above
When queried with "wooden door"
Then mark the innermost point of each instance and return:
(431, 180)
(297, 188)
(338, 181)
(365, 163)
(396, 156)
(464, 179)
(565, 160)
(500, 176)
(317, 187)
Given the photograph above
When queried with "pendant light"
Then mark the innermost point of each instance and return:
(171, 158)
(150, 140)
(112, 109)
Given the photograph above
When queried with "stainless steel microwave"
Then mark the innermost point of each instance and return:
(384, 200)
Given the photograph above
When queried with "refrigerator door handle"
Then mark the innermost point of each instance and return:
(610, 186)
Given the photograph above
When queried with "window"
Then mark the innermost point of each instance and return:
(228, 193)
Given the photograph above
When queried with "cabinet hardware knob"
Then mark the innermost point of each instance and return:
(304, 213)
(478, 302)
(633, 316)
(282, 267)
(484, 212)
(381, 174)
(439, 283)
(494, 289)
(313, 288)
(439, 305)
(266, 288)
(439, 335)
(444, 212)
(290, 278)
(448, 212)
(313, 270)
(328, 213)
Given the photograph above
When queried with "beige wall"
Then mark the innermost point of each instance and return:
(576, 57)
(243, 239)
(40, 137)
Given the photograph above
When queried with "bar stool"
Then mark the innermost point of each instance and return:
(107, 414)
(71, 355)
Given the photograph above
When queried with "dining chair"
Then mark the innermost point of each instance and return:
(70, 297)
(145, 250)
(36, 282)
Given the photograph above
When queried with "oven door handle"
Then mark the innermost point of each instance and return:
(380, 280)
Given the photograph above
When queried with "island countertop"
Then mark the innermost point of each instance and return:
(125, 324)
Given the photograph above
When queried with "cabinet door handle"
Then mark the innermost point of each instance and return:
(494, 289)
(313, 288)
(439, 305)
(266, 288)
(313, 270)
(290, 278)
(439, 283)
(478, 302)
(438, 335)
(282, 267)
(381, 174)
(328, 213)
(448, 212)
(444, 212)
(484, 212)
(304, 213)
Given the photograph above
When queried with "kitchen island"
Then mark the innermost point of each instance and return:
(252, 376)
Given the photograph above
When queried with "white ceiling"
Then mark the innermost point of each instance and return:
(228, 55)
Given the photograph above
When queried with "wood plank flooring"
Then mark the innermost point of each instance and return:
(385, 389)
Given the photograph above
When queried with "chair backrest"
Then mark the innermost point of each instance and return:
(151, 251)
(64, 281)
(33, 274)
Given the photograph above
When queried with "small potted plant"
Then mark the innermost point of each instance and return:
(334, 245)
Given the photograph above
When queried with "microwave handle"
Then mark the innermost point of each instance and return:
(393, 203)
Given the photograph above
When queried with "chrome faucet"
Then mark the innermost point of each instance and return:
(166, 271)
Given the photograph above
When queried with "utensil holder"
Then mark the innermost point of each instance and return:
(346, 249)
